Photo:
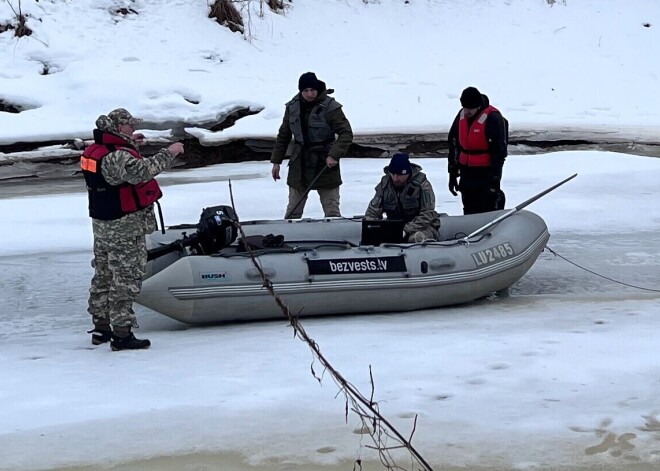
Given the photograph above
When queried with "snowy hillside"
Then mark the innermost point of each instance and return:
(396, 66)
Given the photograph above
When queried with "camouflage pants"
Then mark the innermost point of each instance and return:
(329, 202)
(119, 265)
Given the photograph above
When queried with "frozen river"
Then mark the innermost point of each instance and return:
(559, 374)
(50, 289)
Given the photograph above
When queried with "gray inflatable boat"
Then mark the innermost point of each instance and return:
(203, 274)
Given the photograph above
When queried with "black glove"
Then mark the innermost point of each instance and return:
(494, 179)
(453, 184)
(273, 240)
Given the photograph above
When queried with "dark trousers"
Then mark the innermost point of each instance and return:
(479, 193)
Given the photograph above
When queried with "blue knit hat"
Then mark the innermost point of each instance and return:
(400, 164)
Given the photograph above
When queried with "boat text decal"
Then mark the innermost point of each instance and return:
(215, 276)
(493, 254)
(349, 266)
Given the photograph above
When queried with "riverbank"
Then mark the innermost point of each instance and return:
(34, 163)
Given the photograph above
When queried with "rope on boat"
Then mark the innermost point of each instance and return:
(598, 274)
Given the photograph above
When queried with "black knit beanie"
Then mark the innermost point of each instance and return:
(308, 80)
(471, 98)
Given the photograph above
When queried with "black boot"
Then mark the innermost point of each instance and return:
(123, 339)
(100, 336)
(101, 332)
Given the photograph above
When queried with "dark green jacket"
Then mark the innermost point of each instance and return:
(308, 134)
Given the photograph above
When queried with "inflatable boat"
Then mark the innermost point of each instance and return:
(203, 273)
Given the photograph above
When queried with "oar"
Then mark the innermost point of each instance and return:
(309, 188)
(516, 209)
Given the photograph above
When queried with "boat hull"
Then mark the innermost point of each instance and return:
(318, 275)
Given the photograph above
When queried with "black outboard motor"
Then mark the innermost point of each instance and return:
(215, 231)
(216, 228)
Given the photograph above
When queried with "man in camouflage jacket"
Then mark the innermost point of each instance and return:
(321, 136)
(122, 190)
(404, 193)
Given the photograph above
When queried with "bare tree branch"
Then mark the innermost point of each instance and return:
(379, 428)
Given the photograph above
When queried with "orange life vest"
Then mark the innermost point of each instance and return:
(109, 202)
(472, 140)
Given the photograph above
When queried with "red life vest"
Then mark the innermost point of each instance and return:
(472, 140)
(108, 202)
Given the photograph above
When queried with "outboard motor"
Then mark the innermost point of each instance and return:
(216, 228)
(215, 231)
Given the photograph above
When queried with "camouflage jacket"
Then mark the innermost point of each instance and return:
(414, 203)
(121, 167)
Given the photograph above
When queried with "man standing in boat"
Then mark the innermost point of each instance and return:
(321, 136)
(404, 193)
(122, 191)
(478, 141)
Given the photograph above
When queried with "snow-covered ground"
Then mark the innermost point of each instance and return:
(396, 66)
(563, 374)
(557, 375)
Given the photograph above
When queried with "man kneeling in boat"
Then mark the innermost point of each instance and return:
(404, 193)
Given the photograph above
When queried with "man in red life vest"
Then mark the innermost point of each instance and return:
(478, 141)
(122, 191)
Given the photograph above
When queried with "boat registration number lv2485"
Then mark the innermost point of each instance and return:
(351, 266)
(493, 254)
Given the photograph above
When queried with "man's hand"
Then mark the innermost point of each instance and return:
(176, 148)
(453, 184)
(138, 138)
(331, 161)
(494, 180)
(275, 172)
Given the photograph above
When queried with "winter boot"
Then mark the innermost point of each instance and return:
(101, 332)
(123, 339)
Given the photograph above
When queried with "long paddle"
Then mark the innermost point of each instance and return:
(516, 209)
(309, 188)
